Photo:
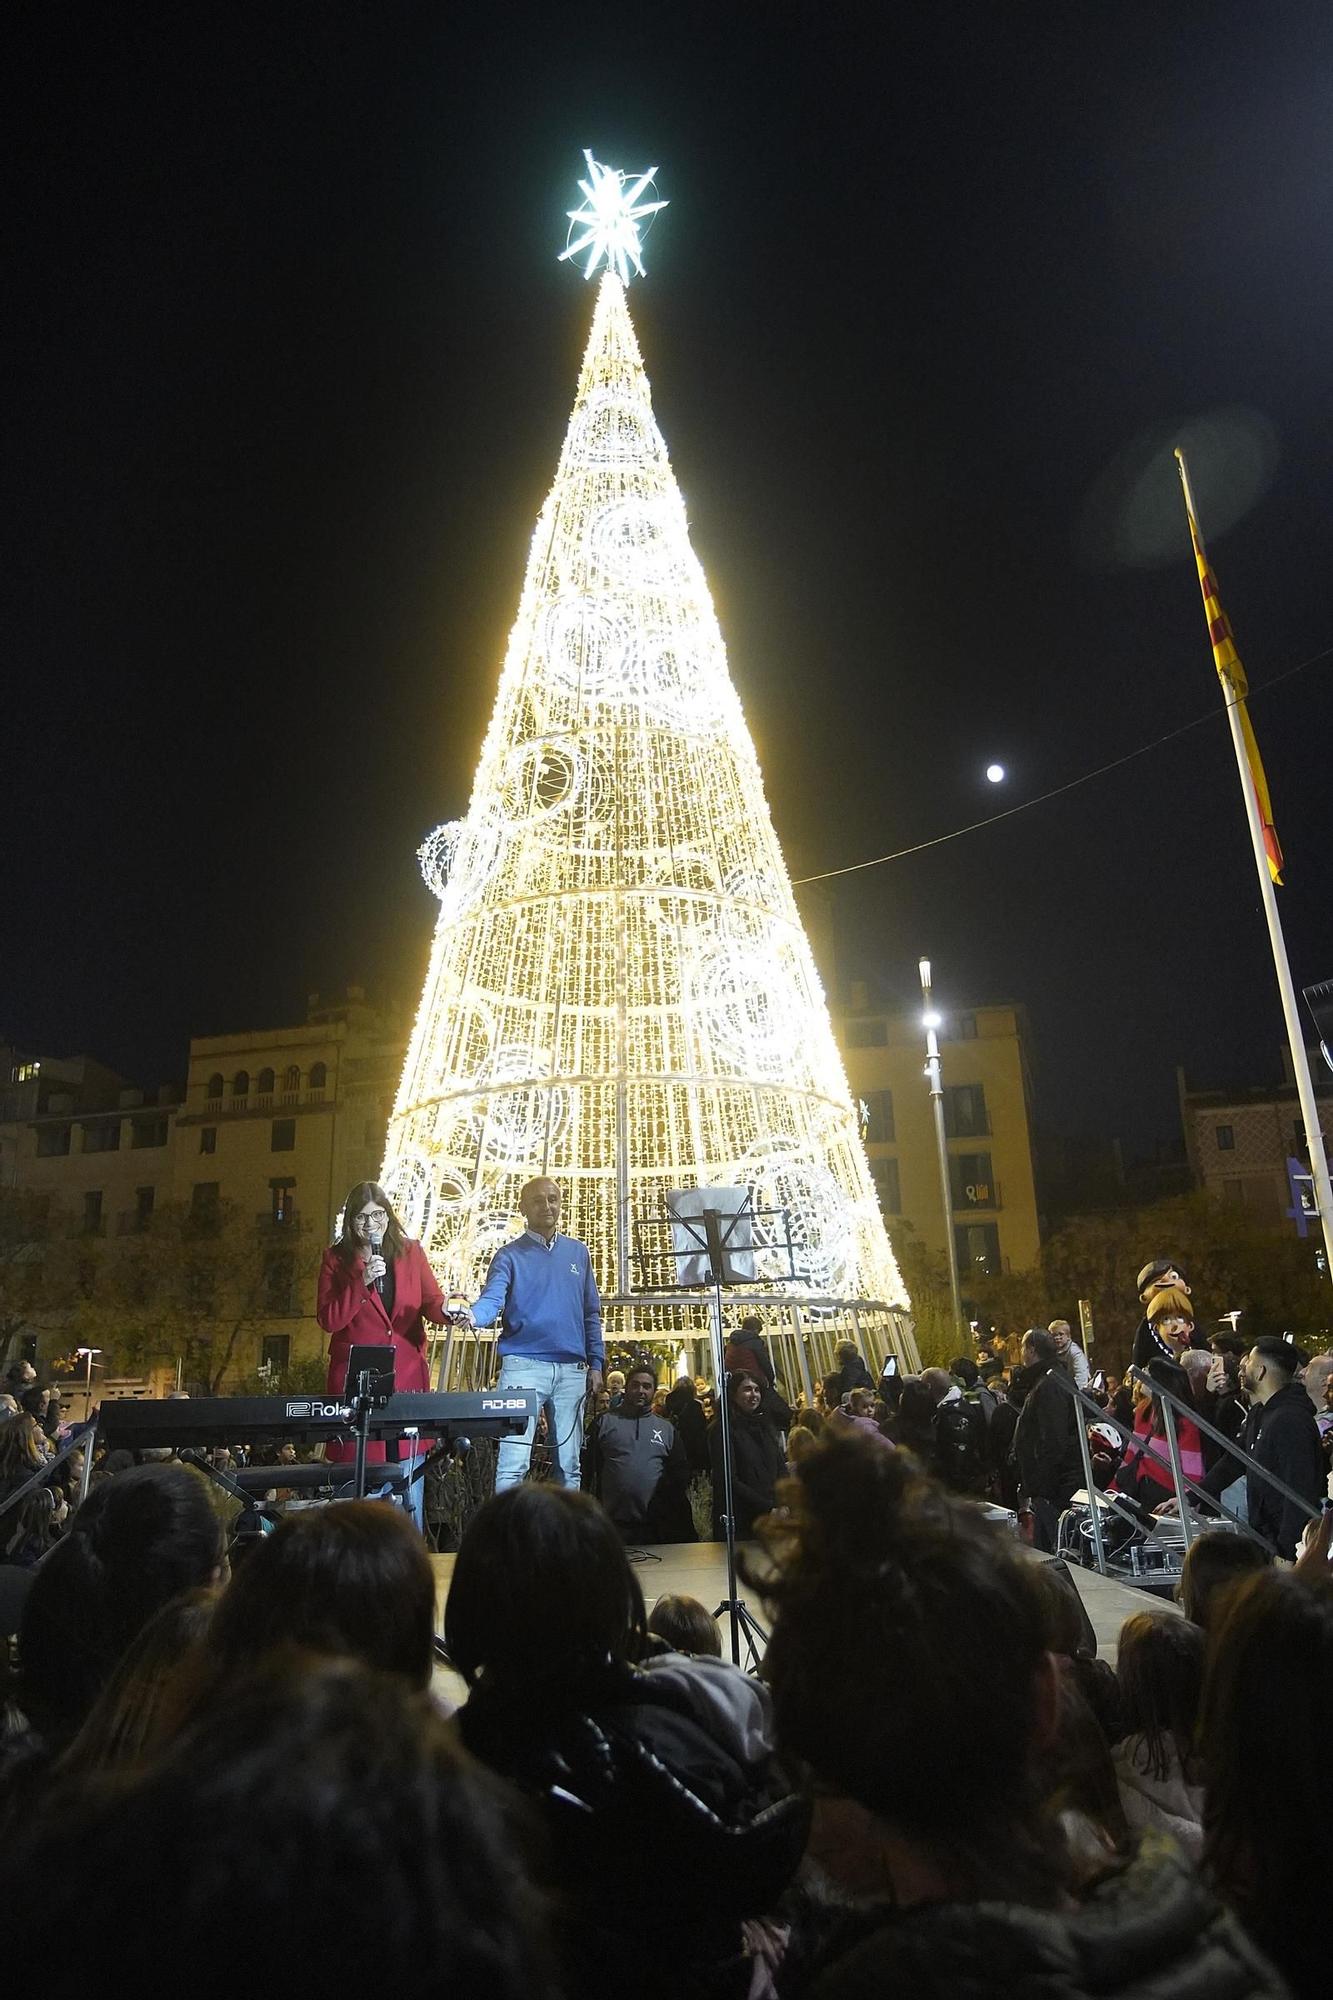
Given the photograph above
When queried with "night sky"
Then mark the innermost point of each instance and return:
(290, 362)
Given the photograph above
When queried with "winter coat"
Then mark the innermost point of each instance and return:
(354, 1315)
(757, 1464)
(1050, 1465)
(1167, 1802)
(1149, 1929)
(686, 1413)
(852, 1375)
(1282, 1437)
(665, 1770)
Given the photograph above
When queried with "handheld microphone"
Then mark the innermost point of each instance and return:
(376, 1239)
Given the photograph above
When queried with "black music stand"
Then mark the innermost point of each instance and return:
(370, 1380)
(714, 1246)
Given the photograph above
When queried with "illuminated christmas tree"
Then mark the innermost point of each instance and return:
(621, 994)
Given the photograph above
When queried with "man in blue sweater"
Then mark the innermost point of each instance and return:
(541, 1289)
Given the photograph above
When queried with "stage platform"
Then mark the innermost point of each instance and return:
(699, 1569)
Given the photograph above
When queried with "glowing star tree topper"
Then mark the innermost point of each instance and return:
(607, 225)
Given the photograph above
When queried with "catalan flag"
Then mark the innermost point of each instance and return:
(1235, 686)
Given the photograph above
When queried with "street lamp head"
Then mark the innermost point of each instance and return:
(930, 1019)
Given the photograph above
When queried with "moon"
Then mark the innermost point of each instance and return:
(995, 773)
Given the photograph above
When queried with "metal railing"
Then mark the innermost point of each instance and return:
(1185, 1487)
(83, 1435)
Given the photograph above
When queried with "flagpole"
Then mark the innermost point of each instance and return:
(1295, 1033)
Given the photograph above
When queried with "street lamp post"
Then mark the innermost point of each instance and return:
(931, 1021)
(88, 1353)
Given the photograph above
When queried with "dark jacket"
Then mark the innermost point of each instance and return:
(852, 1375)
(686, 1413)
(1046, 1451)
(757, 1464)
(1282, 1437)
(627, 1769)
(1149, 1928)
(749, 1354)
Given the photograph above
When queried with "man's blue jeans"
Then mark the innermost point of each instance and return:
(560, 1388)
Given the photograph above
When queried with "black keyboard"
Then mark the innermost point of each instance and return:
(201, 1420)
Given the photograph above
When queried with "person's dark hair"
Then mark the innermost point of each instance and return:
(685, 1625)
(682, 1391)
(916, 1408)
(136, 1542)
(322, 1822)
(1279, 1354)
(965, 1370)
(810, 1419)
(735, 1379)
(347, 1246)
(1160, 1670)
(878, 1580)
(752, 1324)
(22, 1447)
(353, 1579)
(847, 1350)
(1213, 1563)
(1270, 1664)
(145, 1698)
(1043, 1345)
(542, 1589)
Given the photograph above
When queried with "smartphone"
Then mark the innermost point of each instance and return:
(890, 1365)
(1099, 1379)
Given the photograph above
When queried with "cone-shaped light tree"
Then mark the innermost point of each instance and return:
(621, 994)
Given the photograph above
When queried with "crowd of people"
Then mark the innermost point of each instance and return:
(932, 1785)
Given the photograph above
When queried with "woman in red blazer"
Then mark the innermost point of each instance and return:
(370, 1298)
